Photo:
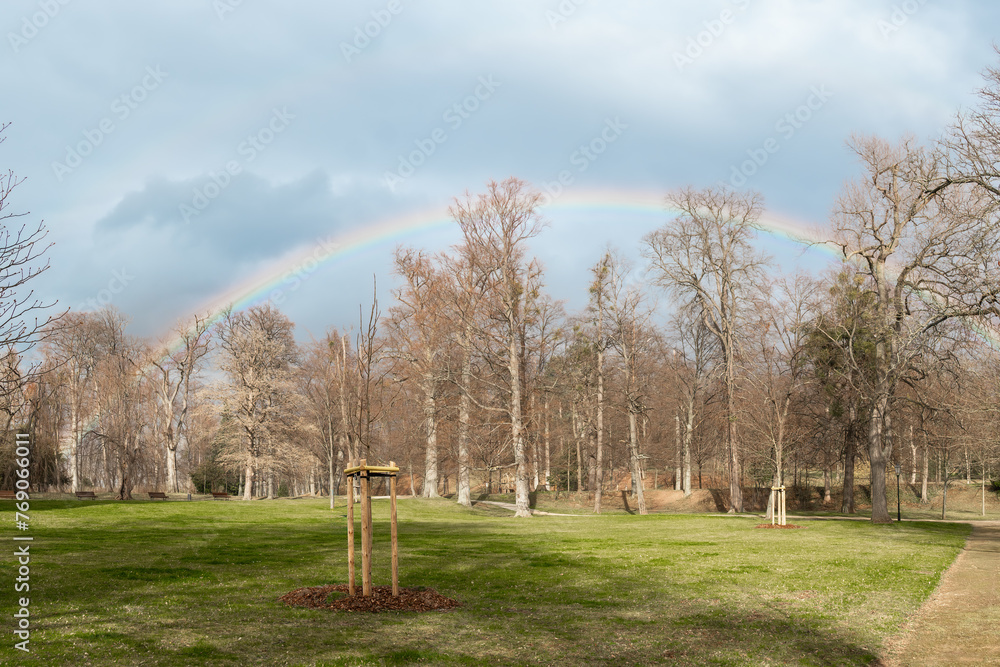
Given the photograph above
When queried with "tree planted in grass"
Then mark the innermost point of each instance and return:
(496, 227)
(926, 248)
(259, 393)
(705, 256)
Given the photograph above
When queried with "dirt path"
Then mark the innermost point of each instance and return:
(513, 508)
(960, 623)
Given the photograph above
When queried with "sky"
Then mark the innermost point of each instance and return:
(191, 153)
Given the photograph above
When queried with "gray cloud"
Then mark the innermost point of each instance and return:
(355, 118)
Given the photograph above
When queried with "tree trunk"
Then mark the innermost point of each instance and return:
(599, 459)
(678, 447)
(735, 492)
(879, 450)
(464, 409)
(248, 483)
(521, 499)
(633, 429)
(578, 435)
(337, 476)
(827, 484)
(850, 453)
(547, 443)
(591, 471)
(535, 481)
(430, 489)
(688, 430)
(172, 468)
(924, 475)
(76, 438)
(944, 488)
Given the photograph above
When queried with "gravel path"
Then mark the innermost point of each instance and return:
(960, 623)
(513, 508)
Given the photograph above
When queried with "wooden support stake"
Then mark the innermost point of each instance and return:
(783, 506)
(392, 528)
(366, 553)
(371, 532)
(350, 535)
(774, 507)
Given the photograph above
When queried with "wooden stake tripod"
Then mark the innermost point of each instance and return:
(365, 472)
(778, 505)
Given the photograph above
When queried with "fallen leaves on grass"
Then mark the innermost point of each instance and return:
(410, 599)
(774, 525)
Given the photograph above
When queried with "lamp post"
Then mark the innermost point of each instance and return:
(899, 516)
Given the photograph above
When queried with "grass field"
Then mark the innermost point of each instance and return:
(197, 583)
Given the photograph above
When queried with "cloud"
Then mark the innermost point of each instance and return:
(355, 120)
(249, 217)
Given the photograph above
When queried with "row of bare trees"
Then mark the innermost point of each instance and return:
(479, 373)
(475, 378)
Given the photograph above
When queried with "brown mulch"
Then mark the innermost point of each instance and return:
(410, 599)
(774, 525)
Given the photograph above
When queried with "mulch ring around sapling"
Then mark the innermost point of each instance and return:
(335, 597)
(774, 525)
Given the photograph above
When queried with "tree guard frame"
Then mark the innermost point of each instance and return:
(365, 472)
(778, 505)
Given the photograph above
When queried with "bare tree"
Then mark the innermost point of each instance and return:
(121, 396)
(324, 380)
(629, 318)
(786, 310)
(691, 356)
(371, 375)
(257, 353)
(22, 249)
(419, 331)
(72, 349)
(495, 228)
(927, 253)
(598, 304)
(706, 256)
(464, 292)
(171, 370)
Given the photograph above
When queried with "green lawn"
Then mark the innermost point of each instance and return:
(197, 583)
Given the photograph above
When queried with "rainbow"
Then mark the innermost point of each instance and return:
(272, 279)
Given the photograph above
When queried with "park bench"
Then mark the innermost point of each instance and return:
(85, 495)
(220, 496)
(7, 495)
(157, 495)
